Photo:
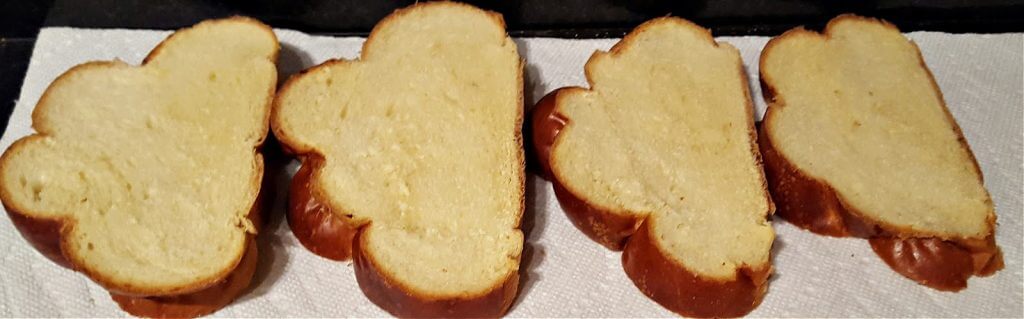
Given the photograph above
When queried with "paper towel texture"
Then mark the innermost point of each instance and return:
(567, 275)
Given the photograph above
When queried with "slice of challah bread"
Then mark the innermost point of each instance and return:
(412, 161)
(659, 158)
(145, 178)
(858, 142)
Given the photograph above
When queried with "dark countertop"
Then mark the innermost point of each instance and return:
(561, 18)
(20, 21)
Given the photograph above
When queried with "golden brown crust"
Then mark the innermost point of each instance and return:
(38, 124)
(397, 14)
(257, 23)
(403, 302)
(48, 236)
(805, 201)
(956, 126)
(812, 204)
(653, 270)
(607, 228)
(290, 145)
(546, 123)
(313, 222)
(198, 303)
(684, 292)
(936, 263)
(43, 234)
(654, 273)
(159, 47)
(331, 233)
(325, 234)
(221, 294)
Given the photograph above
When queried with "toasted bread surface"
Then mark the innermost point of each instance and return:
(416, 146)
(662, 144)
(144, 177)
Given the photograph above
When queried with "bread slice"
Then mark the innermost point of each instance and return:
(412, 161)
(145, 178)
(658, 157)
(858, 141)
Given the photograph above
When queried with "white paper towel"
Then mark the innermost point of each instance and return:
(567, 275)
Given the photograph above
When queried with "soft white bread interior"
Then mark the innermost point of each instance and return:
(857, 109)
(420, 142)
(666, 133)
(152, 169)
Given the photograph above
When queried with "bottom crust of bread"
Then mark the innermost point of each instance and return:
(674, 287)
(936, 263)
(813, 205)
(198, 303)
(545, 124)
(213, 298)
(334, 237)
(653, 271)
(403, 303)
(45, 236)
(610, 230)
(313, 222)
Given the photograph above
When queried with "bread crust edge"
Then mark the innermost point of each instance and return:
(602, 225)
(207, 300)
(47, 235)
(651, 269)
(812, 204)
(319, 228)
(404, 302)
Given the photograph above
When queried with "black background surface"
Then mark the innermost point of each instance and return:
(20, 21)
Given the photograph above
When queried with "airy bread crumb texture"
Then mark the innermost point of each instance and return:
(858, 109)
(420, 139)
(665, 132)
(154, 167)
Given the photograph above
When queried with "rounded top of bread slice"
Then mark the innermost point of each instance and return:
(857, 108)
(153, 170)
(665, 131)
(420, 139)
